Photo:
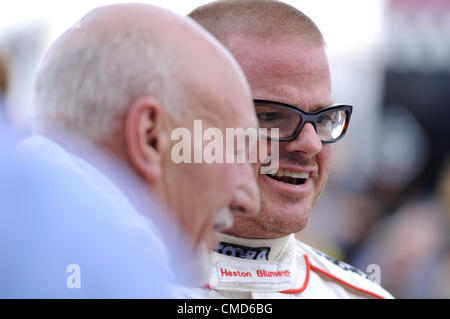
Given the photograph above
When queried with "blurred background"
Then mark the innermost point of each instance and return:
(387, 201)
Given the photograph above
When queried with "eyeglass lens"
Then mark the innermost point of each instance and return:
(329, 125)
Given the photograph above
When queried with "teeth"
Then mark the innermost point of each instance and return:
(300, 175)
(284, 172)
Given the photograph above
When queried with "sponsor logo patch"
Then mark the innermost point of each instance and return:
(253, 253)
(341, 264)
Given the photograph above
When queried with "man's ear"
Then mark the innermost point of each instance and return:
(145, 137)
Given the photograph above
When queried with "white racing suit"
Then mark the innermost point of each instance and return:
(282, 268)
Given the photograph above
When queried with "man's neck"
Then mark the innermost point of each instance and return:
(250, 229)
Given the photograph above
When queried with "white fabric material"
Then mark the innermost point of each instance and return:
(289, 254)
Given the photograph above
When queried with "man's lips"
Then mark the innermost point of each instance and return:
(289, 176)
(288, 179)
(293, 180)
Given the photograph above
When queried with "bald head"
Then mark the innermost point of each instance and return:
(93, 72)
(126, 79)
(260, 19)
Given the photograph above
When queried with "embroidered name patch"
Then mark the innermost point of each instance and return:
(254, 253)
(255, 273)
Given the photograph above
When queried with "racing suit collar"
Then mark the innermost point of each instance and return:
(285, 269)
(273, 246)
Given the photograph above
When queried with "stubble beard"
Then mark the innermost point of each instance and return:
(271, 224)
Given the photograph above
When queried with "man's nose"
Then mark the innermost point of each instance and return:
(246, 200)
(307, 142)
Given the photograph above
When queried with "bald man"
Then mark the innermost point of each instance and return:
(282, 53)
(124, 80)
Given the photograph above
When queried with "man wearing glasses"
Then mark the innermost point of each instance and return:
(282, 53)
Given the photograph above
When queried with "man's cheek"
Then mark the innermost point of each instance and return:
(324, 159)
(324, 167)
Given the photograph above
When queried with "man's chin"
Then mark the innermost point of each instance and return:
(285, 215)
(271, 224)
(285, 226)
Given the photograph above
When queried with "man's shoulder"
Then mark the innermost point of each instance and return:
(318, 257)
(348, 276)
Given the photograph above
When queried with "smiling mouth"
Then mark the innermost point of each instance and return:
(289, 177)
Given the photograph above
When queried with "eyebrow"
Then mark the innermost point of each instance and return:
(314, 108)
(322, 106)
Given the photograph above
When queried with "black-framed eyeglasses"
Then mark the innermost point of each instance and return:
(330, 122)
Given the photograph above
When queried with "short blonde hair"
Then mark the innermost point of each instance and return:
(256, 18)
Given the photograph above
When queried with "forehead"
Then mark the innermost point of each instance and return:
(289, 71)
